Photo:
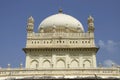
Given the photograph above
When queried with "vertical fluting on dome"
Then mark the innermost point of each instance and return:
(30, 24)
(90, 24)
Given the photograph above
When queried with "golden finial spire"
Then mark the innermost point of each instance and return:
(60, 10)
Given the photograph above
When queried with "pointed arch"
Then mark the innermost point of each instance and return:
(46, 64)
(34, 64)
(74, 64)
(60, 63)
(87, 63)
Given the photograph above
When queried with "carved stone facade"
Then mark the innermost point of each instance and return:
(60, 58)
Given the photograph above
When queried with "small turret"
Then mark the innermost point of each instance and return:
(9, 65)
(30, 25)
(90, 24)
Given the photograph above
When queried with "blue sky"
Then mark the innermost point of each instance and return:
(14, 15)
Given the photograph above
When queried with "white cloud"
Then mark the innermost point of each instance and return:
(109, 63)
(101, 43)
(111, 46)
(111, 50)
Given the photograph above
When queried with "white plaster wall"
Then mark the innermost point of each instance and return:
(61, 59)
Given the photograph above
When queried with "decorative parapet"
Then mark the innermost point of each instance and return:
(81, 72)
(63, 35)
(60, 40)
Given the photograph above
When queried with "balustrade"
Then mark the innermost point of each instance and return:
(63, 35)
(83, 71)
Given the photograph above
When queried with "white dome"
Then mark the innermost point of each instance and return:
(60, 22)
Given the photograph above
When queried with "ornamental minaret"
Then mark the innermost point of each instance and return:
(91, 29)
(30, 25)
(90, 24)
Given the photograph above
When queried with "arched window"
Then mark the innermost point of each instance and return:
(34, 64)
(38, 42)
(87, 64)
(74, 64)
(60, 63)
(88, 41)
(76, 41)
(60, 41)
(44, 42)
(46, 64)
(82, 41)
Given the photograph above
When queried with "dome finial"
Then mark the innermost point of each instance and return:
(60, 10)
(30, 19)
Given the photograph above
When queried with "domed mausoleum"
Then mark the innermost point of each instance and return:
(60, 50)
(60, 43)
